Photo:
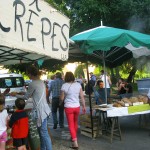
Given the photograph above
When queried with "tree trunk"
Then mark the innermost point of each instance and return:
(131, 75)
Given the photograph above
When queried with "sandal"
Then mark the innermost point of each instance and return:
(73, 147)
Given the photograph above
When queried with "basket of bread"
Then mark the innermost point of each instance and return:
(132, 101)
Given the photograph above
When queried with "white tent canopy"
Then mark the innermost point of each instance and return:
(32, 30)
(138, 52)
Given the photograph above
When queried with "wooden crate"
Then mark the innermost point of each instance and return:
(86, 126)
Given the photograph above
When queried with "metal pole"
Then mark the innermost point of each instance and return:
(105, 75)
(89, 94)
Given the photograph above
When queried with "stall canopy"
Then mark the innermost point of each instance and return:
(31, 30)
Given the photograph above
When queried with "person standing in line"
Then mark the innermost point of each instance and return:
(70, 93)
(81, 80)
(49, 99)
(3, 123)
(37, 91)
(55, 91)
(108, 82)
(92, 78)
(20, 125)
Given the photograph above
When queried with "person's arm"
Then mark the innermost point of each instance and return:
(6, 91)
(83, 101)
(49, 92)
(117, 85)
(27, 95)
(109, 80)
(127, 87)
(11, 121)
(62, 96)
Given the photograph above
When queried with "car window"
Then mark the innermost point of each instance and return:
(19, 82)
(8, 82)
(11, 82)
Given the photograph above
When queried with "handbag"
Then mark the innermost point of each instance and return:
(33, 113)
(61, 103)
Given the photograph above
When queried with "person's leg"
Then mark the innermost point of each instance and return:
(61, 116)
(70, 119)
(2, 145)
(45, 141)
(23, 147)
(55, 104)
(3, 139)
(76, 115)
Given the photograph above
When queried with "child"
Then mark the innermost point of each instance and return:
(3, 123)
(19, 124)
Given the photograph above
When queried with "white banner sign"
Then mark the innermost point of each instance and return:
(34, 26)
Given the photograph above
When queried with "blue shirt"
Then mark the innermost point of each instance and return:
(55, 87)
(93, 77)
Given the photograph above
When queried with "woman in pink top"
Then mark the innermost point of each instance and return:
(70, 93)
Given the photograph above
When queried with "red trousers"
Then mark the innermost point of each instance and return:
(72, 115)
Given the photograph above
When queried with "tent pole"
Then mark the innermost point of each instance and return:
(89, 93)
(105, 75)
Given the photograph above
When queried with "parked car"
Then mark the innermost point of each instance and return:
(14, 82)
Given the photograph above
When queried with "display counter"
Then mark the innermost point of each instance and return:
(109, 116)
(125, 111)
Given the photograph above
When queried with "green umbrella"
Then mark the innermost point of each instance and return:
(111, 45)
(104, 38)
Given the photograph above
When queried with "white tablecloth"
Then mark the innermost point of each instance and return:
(120, 111)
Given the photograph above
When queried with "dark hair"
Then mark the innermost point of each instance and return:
(98, 82)
(2, 102)
(20, 103)
(32, 70)
(121, 79)
(52, 77)
(58, 75)
(69, 77)
(102, 71)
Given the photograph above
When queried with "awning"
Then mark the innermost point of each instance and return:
(32, 30)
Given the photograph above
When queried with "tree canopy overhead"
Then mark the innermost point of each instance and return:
(87, 14)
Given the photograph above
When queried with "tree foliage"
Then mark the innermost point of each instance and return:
(86, 14)
(79, 71)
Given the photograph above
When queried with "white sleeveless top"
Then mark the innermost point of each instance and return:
(103, 79)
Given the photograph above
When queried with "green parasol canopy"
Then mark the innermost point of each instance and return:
(104, 38)
(112, 45)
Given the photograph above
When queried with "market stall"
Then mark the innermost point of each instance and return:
(109, 114)
(31, 31)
